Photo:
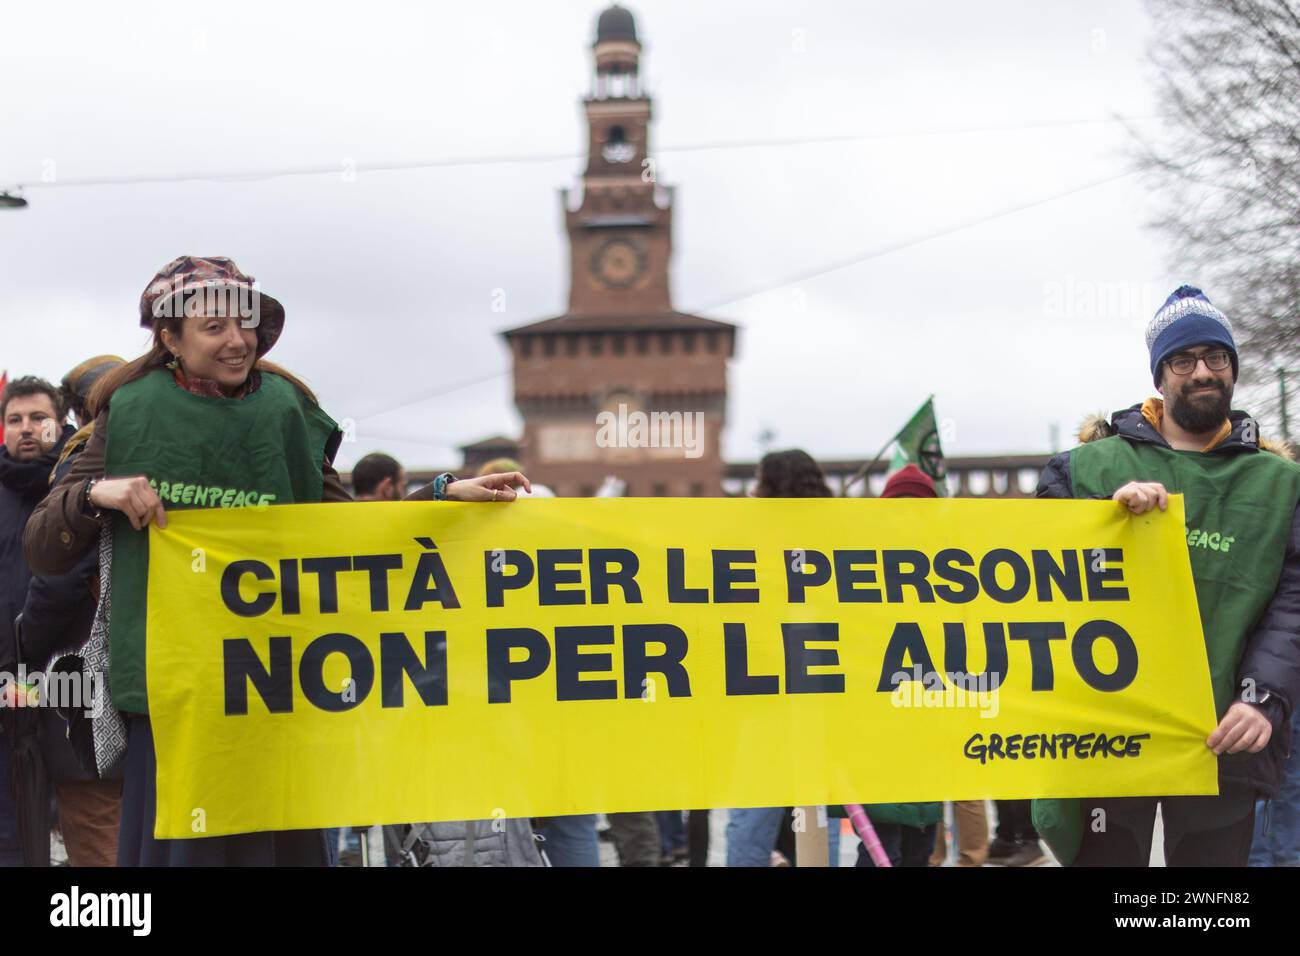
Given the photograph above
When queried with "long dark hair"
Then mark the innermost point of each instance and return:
(790, 474)
(157, 357)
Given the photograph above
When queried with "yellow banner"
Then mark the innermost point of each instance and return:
(327, 665)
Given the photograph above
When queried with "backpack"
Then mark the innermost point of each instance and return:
(495, 842)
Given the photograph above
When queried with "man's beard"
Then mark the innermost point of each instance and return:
(27, 453)
(1202, 413)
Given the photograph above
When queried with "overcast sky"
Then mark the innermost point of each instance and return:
(990, 248)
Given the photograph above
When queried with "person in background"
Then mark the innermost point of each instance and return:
(32, 413)
(375, 477)
(379, 477)
(752, 832)
(906, 830)
(74, 391)
(697, 837)
(672, 837)
(510, 841)
(506, 842)
(970, 819)
(54, 637)
(1277, 825)
(567, 841)
(1016, 840)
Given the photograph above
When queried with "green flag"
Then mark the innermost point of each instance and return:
(917, 443)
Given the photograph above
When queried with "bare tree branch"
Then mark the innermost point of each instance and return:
(1227, 169)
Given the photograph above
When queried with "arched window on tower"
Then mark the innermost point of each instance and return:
(618, 82)
(617, 149)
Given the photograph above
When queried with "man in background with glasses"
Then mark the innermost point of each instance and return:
(1242, 502)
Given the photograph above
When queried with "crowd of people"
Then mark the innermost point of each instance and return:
(80, 479)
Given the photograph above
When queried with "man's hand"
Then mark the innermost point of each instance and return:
(1139, 497)
(498, 487)
(131, 496)
(1244, 727)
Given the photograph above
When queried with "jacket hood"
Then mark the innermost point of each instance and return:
(1094, 427)
(1277, 447)
(1132, 424)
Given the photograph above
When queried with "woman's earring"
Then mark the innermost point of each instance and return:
(173, 363)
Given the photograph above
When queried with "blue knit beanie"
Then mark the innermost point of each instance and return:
(1186, 320)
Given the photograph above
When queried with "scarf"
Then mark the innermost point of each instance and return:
(30, 480)
(207, 388)
(107, 726)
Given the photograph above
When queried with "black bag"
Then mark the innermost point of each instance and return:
(65, 734)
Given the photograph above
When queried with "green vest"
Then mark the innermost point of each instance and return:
(1239, 508)
(197, 452)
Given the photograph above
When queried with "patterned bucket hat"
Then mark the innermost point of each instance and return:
(186, 283)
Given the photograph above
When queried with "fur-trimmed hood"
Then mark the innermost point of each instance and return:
(1277, 447)
(1096, 426)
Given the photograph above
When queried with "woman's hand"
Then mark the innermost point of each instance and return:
(131, 496)
(498, 487)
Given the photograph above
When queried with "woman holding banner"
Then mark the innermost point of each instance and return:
(225, 428)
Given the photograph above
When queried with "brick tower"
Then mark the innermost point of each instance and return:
(622, 384)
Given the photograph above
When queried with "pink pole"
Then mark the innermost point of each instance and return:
(867, 833)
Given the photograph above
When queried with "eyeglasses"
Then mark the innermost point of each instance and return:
(1185, 363)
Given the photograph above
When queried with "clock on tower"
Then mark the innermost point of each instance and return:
(618, 262)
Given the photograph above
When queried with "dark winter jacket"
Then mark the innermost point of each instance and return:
(60, 608)
(22, 486)
(1271, 659)
(55, 625)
